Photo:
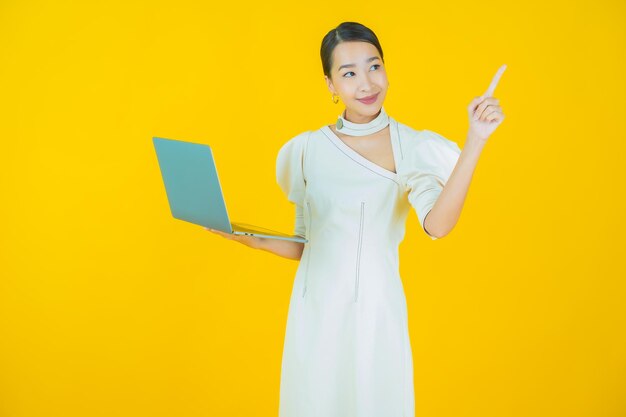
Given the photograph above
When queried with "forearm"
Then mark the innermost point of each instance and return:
(447, 209)
(285, 248)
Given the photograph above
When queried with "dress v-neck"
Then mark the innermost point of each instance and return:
(363, 160)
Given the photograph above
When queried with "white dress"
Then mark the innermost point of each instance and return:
(347, 351)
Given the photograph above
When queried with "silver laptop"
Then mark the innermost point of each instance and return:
(194, 192)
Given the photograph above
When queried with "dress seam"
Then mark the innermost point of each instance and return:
(358, 255)
(308, 254)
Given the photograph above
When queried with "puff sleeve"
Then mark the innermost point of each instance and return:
(290, 176)
(428, 165)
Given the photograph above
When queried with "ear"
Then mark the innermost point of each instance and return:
(329, 83)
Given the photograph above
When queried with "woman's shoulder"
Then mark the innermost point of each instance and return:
(411, 138)
(298, 138)
(296, 142)
(293, 150)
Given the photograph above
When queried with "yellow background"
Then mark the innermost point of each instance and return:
(110, 307)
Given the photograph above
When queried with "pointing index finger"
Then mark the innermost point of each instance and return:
(494, 81)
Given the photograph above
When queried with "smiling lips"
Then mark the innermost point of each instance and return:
(369, 100)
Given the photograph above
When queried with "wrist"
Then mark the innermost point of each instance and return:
(474, 143)
(260, 243)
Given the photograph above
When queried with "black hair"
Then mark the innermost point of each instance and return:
(346, 31)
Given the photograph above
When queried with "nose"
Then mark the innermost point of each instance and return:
(366, 84)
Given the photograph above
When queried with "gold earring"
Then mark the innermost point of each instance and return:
(333, 98)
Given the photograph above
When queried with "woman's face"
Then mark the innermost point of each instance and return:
(358, 72)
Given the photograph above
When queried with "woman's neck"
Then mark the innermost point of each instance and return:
(359, 118)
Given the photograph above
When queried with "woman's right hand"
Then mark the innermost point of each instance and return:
(251, 241)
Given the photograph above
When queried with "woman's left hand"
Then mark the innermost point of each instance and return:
(485, 113)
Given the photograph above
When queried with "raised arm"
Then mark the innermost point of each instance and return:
(444, 215)
(485, 115)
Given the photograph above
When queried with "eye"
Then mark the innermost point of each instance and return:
(350, 72)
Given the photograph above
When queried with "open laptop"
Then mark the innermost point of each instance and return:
(194, 192)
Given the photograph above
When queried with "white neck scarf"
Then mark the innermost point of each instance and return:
(362, 129)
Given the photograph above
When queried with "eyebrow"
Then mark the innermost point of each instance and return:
(370, 59)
